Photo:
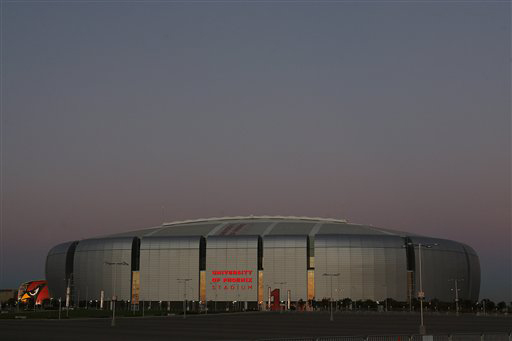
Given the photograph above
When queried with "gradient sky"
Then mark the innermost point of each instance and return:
(116, 116)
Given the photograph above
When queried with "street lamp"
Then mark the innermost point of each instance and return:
(114, 297)
(184, 280)
(269, 294)
(68, 294)
(331, 275)
(421, 293)
(456, 293)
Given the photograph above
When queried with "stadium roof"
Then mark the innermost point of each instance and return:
(260, 225)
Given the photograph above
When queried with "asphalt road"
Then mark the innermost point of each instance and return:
(246, 326)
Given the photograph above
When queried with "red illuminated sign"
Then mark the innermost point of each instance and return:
(35, 292)
(232, 272)
(240, 282)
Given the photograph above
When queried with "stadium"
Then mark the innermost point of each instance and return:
(245, 259)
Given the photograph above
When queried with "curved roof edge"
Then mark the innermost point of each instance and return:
(332, 220)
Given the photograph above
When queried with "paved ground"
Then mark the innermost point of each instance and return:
(245, 326)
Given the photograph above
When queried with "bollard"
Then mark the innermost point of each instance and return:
(113, 302)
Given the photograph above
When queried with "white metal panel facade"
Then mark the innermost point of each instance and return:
(232, 268)
(369, 267)
(169, 268)
(441, 264)
(474, 273)
(92, 273)
(372, 262)
(56, 269)
(285, 266)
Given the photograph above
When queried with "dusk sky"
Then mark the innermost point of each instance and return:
(119, 115)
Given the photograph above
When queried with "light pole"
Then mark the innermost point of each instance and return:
(68, 294)
(456, 293)
(331, 275)
(184, 280)
(114, 297)
(269, 294)
(421, 293)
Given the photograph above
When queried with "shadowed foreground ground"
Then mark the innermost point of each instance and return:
(245, 326)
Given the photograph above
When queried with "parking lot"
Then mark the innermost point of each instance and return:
(246, 326)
